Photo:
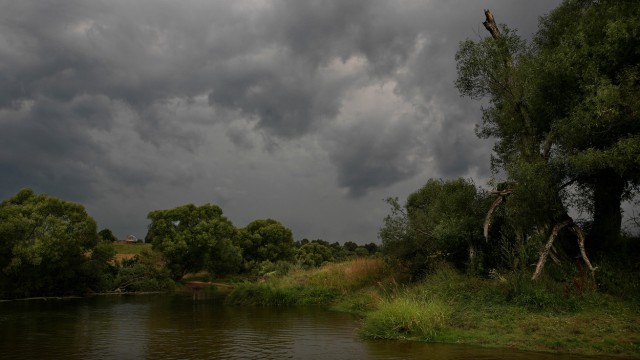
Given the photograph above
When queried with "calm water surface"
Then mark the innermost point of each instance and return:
(179, 326)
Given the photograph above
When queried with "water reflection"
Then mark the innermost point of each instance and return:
(184, 327)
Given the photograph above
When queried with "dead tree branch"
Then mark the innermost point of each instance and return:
(554, 234)
(490, 24)
(545, 251)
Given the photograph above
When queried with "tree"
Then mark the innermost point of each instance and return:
(350, 246)
(372, 248)
(107, 235)
(563, 112)
(49, 246)
(265, 240)
(589, 58)
(194, 238)
(440, 221)
(313, 255)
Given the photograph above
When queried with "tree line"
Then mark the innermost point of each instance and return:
(51, 247)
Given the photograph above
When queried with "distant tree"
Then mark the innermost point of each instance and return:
(49, 246)
(313, 255)
(361, 251)
(265, 240)
(350, 246)
(107, 235)
(301, 242)
(372, 248)
(194, 238)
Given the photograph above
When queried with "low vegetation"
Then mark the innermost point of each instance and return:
(448, 306)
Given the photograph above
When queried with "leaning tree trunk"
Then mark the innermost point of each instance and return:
(608, 188)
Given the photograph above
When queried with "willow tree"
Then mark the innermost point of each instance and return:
(563, 111)
(588, 84)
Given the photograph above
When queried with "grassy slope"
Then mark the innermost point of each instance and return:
(128, 251)
(452, 308)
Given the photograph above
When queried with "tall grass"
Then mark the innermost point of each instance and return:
(275, 294)
(319, 286)
(406, 318)
(348, 275)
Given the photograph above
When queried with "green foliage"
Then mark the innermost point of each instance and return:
(313, 255)
(442, 221)
(265, 240)
(49, 247)
(145, 272)
(107, 235)
(193, 238)
(563, 110)
(268, 268)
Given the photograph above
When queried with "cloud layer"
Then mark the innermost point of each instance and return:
(309, 112)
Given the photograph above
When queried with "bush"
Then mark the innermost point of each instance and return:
(441, 221)
(145, 272)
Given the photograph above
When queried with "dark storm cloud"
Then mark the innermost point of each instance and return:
(105, 97)
(44, 146)
(370, 155)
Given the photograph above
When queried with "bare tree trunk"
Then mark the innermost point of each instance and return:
(545, 251)
(549, 246)
(490, 24)
(489, 218)
(607, 216)
(580, 234)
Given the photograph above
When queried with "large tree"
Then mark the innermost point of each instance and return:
(194, 238)
(564, 115)
(266, 240)
(589, 56)
(49, 246)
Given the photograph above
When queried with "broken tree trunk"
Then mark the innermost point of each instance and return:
(490, 24)
(580, 234)
(489, 217)
(554, 234)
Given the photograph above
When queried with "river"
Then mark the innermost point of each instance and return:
(182, 326)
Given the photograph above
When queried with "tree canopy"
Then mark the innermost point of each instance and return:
(564, 113)
(266, 240)
(48, 247)
(194, 238)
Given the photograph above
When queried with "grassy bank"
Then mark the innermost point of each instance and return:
(448, 307)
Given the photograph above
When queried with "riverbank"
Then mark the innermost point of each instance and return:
(448, 307)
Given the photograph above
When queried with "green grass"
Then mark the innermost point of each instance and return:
(406, 318)
(328, 285)
(514, 312)
(508, 311)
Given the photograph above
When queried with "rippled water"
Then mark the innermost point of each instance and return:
(179, 326)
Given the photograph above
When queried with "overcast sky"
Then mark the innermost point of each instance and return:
(308, 112)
